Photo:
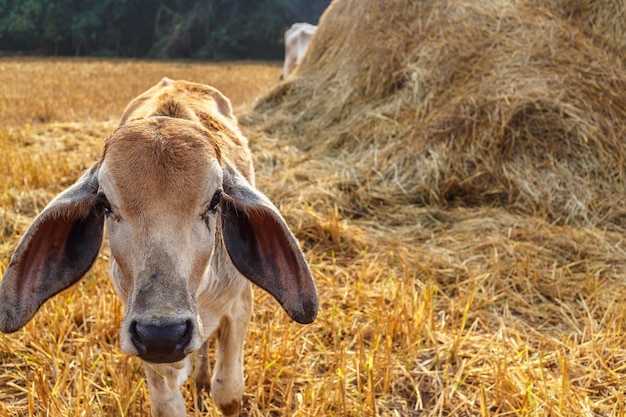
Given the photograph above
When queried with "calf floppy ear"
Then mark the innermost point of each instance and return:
(56, 251)
(264, 250)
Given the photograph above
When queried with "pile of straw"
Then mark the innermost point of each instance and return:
(455, 171)
(460, 103)
(602, 20)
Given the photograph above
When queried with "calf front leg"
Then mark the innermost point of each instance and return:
(164, 382)
(203, 374)
(227, 387)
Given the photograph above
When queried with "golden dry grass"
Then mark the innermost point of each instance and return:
(463, 163)
(433, 303)
(602, 20)
(487, 103)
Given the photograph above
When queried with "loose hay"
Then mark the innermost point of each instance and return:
(460, 103)
(475, 152)
(454, 171)
(602, 20)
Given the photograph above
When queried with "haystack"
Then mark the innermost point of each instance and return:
(458, 103)
(458, 162)
(602, 20)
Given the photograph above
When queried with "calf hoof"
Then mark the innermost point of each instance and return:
(230, 409)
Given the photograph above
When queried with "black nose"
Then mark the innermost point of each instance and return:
(161, 344)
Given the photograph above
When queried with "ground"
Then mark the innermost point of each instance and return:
(424, 311)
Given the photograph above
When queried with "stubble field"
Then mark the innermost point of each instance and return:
(455, 312)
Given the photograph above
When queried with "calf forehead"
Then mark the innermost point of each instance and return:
(161, 160)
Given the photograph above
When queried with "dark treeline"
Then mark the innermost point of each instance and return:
(205, 29)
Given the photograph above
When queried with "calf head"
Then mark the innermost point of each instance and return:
(171, 200)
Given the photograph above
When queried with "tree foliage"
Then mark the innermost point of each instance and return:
(209, 29)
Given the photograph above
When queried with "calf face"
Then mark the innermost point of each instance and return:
(188, 232)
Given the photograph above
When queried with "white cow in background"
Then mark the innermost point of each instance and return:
(297, 39)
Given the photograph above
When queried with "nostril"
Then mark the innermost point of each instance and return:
(186, 337)
(137, 339)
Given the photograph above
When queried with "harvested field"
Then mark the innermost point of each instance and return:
(455, 173)
(473, 150)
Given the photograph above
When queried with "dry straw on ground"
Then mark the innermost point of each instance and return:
(602, 20)
(454, 171)
(471, 155)
(461, 103)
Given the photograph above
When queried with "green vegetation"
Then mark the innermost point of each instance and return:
(207, 29)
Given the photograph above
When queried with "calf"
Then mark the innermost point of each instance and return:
(188, 232)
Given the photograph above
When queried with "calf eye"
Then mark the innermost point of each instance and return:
(215, 201)
(104, 203)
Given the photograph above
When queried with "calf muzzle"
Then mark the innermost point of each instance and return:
(161, 343)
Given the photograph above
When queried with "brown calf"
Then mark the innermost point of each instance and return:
(188, 232)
